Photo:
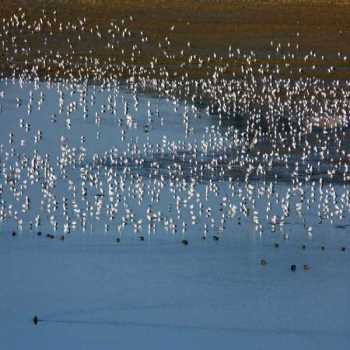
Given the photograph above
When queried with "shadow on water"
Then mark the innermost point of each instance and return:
(202, 328)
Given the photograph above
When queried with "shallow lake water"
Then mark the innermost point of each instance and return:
(93, 165)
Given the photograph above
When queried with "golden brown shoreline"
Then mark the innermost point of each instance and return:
(210, 26)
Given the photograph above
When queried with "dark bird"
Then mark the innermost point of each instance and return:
(263, 262)
(35, 319)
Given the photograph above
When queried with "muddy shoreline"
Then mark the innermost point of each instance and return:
(210, 27)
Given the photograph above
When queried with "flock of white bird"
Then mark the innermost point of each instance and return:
(274, 150)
